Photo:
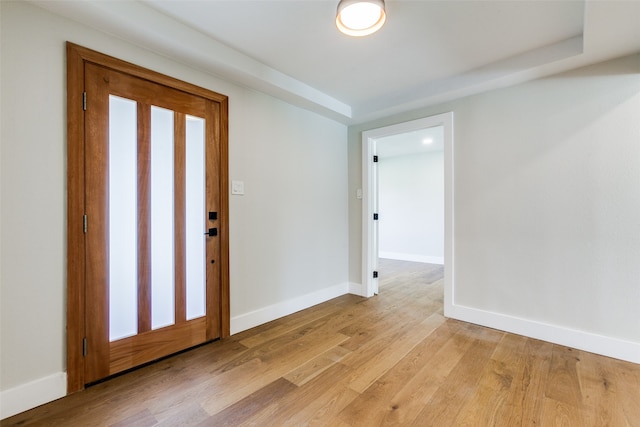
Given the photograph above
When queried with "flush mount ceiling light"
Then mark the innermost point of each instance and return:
(360, 17)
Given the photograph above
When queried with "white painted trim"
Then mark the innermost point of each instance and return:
(599, 344)
(35, 393)
(369, 256)
(449, 211)
(369, 253)
(412, 257)
(357, 289)
(263, 315)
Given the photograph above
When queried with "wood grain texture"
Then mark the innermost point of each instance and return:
(223, 216)
(179, 215)
(134, 70)
(144, 216)
(212, 204)
(388, 360)
(152, 345)
(95, 284)
(75, 211)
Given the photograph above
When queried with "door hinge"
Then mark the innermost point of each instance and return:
(84, 101)
(375, 216)
(375, 159)
(375, 274)
(84, 347)
(85, 222)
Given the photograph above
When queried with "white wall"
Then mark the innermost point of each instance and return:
(411, 207)
(288, 232)
(546, 201)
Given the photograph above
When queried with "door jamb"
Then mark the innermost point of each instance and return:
(76, 57)
(370, 192)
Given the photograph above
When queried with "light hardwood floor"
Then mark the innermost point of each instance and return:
(388, 360)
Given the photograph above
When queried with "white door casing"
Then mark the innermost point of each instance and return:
(370, 200)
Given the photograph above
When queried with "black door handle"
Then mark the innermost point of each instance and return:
(212, 232)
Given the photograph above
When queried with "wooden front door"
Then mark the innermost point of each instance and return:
(154, 223)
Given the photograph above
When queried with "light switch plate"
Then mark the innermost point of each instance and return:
(237, 187)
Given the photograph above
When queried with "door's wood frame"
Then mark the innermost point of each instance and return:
(76, 266)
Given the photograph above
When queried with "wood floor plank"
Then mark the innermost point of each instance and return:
(486, 404)
(333, 404)
(560, 414)
(278, 329)
(244, 409)
(308, 401)
(275, 347)
(461, 383)
(143, 418)
(599, 388)
(627, 377)
(323, 410)
(233, 385)
(523, 406)
(186, 414)
(564, 384)
(399, 395)
(378, 329)
(316, 366)
(378, 364)
(184, 382)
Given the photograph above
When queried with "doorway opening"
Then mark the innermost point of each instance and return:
(371, 237)
(411, 207)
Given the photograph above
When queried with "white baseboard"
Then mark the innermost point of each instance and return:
(357, 289)
(32, 394)
(263, 315)
(412, 257)
(593, 343)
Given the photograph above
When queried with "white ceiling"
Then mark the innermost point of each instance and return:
(428, 51)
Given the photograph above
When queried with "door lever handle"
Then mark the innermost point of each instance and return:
(212, 232)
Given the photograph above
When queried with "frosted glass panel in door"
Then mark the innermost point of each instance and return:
(162, 219)
(123, 257)
(195, 215)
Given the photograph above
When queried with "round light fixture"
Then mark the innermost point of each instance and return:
(360, 17)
